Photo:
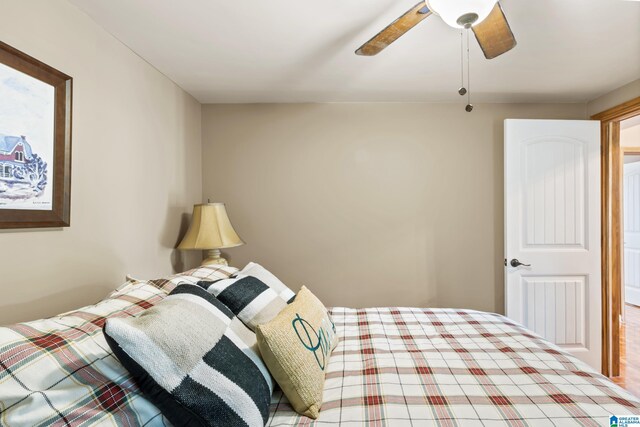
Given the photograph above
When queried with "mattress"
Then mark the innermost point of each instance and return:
(392, 367)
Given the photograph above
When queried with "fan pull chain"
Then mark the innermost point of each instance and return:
(469, 106)
(462, 91)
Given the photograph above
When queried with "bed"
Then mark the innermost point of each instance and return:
(392, 367)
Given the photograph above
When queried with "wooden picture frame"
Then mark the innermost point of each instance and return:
(35, 187)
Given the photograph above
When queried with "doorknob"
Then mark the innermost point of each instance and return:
(515, 263)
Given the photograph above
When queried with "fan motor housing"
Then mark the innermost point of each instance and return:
(467, 20)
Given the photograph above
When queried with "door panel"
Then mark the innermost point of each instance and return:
(552, 221)
(554, 193)
(554, 308)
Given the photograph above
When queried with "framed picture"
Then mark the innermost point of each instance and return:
(35, 142)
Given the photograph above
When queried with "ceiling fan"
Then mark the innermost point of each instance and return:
(484, 17)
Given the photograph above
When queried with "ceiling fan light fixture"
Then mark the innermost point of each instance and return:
(461, 13)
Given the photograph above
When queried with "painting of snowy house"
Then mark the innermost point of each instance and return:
(35, 142)
(23, 174)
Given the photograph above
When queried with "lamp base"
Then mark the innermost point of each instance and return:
(214, 257)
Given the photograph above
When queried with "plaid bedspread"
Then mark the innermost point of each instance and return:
(420, 367)
(392, 367)
(61, 371)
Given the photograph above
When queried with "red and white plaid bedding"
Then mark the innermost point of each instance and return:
(421, 367)
(392, 367)
(61, 372)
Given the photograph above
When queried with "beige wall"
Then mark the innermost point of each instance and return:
(630, 137)
(615, 97)
(136, 168)
(369, 204)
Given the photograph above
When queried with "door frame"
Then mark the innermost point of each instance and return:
(611, 239)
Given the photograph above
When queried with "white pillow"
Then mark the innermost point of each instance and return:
(265, 276)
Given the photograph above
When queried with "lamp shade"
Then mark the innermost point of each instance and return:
(210, 229)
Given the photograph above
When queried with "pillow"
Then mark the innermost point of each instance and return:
(255, 298)
(193, 276)
(248, 298)
(296, 346)
(264, 275)
(194, 360)
(60, 371)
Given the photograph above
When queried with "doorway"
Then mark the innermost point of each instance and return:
(629, 365)
(615, 125)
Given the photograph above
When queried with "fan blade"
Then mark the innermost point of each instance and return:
(494, 34)
(392, 32)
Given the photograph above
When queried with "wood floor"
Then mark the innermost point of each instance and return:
(630, 351)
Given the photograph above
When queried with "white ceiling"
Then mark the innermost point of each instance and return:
(302, 51)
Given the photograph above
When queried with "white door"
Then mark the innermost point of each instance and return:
(631, 202)
(552, 223)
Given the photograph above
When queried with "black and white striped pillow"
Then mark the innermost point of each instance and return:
(194, 360)
(255, 295)
(259, 272)
(248, 298)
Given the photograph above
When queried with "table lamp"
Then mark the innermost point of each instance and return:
(210, 231)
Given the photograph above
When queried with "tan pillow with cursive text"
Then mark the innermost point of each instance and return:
(296, 346)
